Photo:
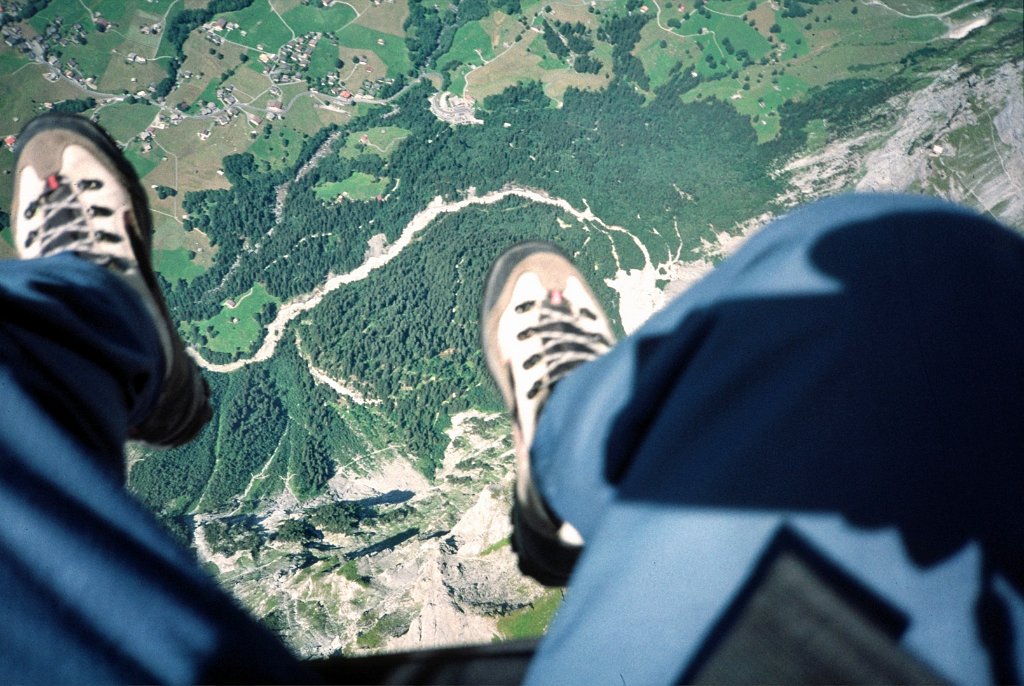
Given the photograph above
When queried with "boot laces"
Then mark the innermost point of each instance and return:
(66, 225)
(566, 343)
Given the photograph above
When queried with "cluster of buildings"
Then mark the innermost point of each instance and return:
(454, 109)
(13, 36)
(292, 59)
(290, 64)
(174, 118)
(232, 110)
(55, 34)
(333, 85)
(284, 66)
(44, 47)
(222, 24)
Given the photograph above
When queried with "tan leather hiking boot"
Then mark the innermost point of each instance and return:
(75, 192)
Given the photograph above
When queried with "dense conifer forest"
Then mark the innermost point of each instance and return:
(408, 340)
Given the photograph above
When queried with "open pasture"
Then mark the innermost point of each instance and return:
(359, 187)
(304, 19)
(389, 48)
(124, 121)
(235, 329)
(387, 17)
(260, 27)
(380, 141)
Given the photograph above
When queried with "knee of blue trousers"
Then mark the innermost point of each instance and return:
(78, 342)
(598, 413)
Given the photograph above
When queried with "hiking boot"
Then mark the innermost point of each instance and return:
(75, 192)
(540, 321)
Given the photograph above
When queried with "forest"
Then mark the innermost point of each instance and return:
(607, 147)
(271, 419)
(412, 339)
(407, 337)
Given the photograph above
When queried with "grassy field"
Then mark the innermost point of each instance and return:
(457, 79)
(192, 163)
(829, 43)
(176, 265)
(6, 246)
(845, 44)
(260, 25)
(124, 121)
(24, 91)
(250, 85)
(502, 29)
(358, 187)
(307, 19)
(386, 17)
(235, 329)
(922, 6)
(577, 11)
(146, 44)
(119, 74)
(391, 49)
(69, 12)
(548, 60)
(491, 39)
(380, 141)
(518, 64)
(204, 68)
(370, 67)
(280, 149)
(144, 163)
(705, 40)
(323, 59)
(308, 116)
(472, 45)
(660, 51)
(168, 235)
(209, 69)
(532, 621)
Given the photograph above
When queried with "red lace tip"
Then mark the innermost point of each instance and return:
(556, 297)
(51, 182)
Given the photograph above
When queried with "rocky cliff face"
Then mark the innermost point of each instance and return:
(431, 566)
(960, 138)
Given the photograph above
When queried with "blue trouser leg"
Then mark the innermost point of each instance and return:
(79, 347)
(92, 588)
(860, 360)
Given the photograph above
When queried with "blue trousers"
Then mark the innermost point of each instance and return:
(92, 590)
(852, 375)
